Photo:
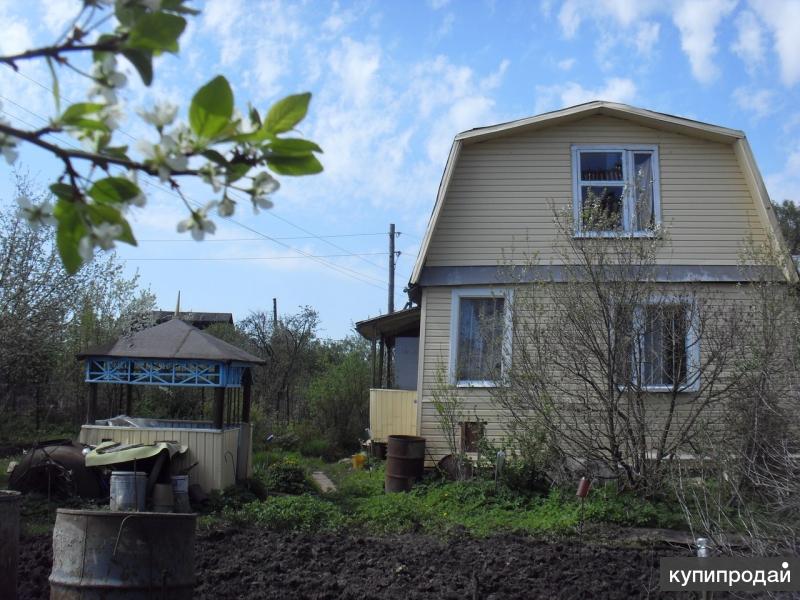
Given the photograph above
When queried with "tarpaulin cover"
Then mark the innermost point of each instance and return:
(112, 453)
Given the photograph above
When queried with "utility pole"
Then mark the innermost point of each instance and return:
(391, 267)
(274, 313)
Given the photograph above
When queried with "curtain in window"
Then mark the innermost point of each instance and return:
(480, 335)
(664, 345)
(643, 191)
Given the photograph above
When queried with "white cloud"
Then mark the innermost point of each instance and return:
(646, 36)
(785, 184)
(437, 4)
(569, 18)
(446, 26)
(759, 102)
(58, 15)
(749, 44)
(566, 64)
(16, 36)
(697, 22)
(783, 19)
(355, 64)
(614, 89)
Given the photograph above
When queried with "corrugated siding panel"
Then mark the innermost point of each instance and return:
(205, 447)
(499, 208)
(478, 402)
(392, 412)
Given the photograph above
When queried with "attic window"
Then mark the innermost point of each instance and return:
(615, 190)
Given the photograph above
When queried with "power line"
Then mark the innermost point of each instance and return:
(358, 275)
(257, 239)
(233, 258)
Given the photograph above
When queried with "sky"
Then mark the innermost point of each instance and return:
(392, 83)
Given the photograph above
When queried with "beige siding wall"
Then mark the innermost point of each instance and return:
(392, 412)
(209, 448)
(499, 203)
(479, 403)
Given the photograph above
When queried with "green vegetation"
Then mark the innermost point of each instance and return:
(438, 507)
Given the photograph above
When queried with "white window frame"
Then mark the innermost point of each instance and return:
(505, 359)
(628, 199)
(691, 345)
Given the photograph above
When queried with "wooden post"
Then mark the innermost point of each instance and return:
(91, 410)
(129, 399)
(374, 362)
(219, 407)
(381, 348)
(247, 385)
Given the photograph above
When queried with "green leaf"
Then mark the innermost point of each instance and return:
(211, 108)
(116, 152)
(114, 190)
(295, 165)
(142, 60)
(215, 156)
(236, 171)
(103, 213)
(77, 111)
(286, 113)
(158, 32)
(69, 231)
(63, 191)
(292, 147)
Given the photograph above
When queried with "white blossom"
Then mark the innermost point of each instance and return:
(208, 173)
(107, 78)
(163, 114)
(226, 207)
(86, 248)
(263, 185)
(111, 115)
(104, 234)
(165, 156)
(8, 144)
(198, 223)
(140, 199)
(35, 215)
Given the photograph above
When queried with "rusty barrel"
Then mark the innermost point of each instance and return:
(9, 543)
(122, 555)
(405, 462)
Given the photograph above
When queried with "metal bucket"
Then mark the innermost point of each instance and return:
(9, 543)
(163, 498)
(405, 462)
(128, 490)
(379, 450)
(122, 556)
(180, 491)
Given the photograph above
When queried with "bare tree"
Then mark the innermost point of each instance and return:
(618, 366)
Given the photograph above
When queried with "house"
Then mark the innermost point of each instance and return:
(495, 206)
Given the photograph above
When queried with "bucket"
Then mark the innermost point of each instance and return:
(99, 554)
(379, 450)
(128, 490)
(358, 461)
(180, 492)
(405, 462)
(9, 543)
(163, 500)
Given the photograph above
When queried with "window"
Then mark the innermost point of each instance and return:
(615, 190)
(472, 433)
(664, 350)
(479, 337)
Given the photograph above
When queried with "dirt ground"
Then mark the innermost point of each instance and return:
(255, 563)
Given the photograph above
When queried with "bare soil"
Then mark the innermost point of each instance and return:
(256, 563)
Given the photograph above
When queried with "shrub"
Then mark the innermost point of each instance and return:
(286, 476)
(304, 513)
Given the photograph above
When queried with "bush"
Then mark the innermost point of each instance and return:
(304, 513)
(286, 476)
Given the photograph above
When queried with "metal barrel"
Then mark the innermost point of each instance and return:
(128, 490)
(104, 555)
(405, 462)
(9, 543)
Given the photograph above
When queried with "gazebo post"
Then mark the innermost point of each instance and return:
(91, 411)
(129, 399)
(219, 407)
(247, 384)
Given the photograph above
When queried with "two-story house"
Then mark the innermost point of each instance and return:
(495, 206)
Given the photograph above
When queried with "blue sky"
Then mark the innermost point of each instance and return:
(393, 82)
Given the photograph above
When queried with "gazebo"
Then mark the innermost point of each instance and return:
(177, 354)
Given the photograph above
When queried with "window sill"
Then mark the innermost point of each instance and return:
(476, 384)
(614, 234)
(662, 389)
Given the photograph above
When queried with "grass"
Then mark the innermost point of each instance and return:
(439, 508)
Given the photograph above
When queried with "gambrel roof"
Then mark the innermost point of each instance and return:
(646, 118)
